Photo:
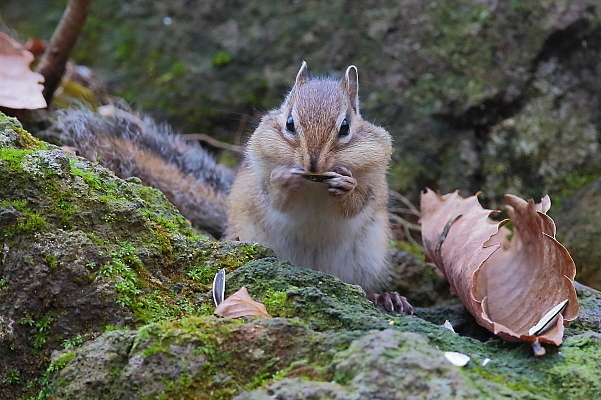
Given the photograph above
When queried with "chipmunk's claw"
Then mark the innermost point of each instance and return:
(341, 184)
(392, 302)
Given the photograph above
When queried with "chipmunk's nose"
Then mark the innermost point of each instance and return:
(313, 159)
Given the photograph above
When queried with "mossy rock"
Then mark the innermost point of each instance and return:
(84, 251)
(305, 352)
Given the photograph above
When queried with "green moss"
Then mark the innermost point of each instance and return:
(124, 268)
(12, 158)
(518, 384)
(208, 337)
(228, 365)
(278, 304)
(52, 261)
(203, 274)
(63, 207)
(60, 362)
(39, 328)
(97, 240)
(34, 223)
(163, 230)
(461, 37)
(12, 377)
(321, 301)
(575, 372)
(23, 139)
(139, 251)
(90, 178)
(243, 254)
(343, 377)
(28, 221)
(221, 58)
(146, 296)
(232, 255)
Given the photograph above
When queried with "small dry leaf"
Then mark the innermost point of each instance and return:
(514, 283)
(20, 87)
(457, 359)
(240, 304)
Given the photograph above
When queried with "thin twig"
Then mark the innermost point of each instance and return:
(402, 221)
(54, 60)
(405, 201)
(397, 213)
(397, 210)
(201, 137)
(408, 227)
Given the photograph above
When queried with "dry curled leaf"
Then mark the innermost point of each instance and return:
(240, 304)
(20, 87)
(514, 283)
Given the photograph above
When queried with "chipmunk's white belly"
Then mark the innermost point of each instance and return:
(315, 236)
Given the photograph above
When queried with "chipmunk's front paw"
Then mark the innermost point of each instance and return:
(287, 177)
(341, 184)
(391, 302)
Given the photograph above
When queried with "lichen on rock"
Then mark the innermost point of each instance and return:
(84, 251)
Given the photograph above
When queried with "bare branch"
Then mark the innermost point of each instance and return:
(201, 137)
(54, 60)
(399, 197)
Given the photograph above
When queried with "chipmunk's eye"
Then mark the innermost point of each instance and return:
(290, 124)
(344, 128)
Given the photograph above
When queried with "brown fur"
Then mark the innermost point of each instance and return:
(271, 205)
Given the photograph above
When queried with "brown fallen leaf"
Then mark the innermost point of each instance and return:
(509, 281)
(20, 87)
(240, 304)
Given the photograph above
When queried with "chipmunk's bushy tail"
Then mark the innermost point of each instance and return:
(130, 146)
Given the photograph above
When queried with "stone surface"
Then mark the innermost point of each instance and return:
(84, 251)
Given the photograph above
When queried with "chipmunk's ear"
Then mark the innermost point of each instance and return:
(351, 83)
(302, 75)
(301, 78)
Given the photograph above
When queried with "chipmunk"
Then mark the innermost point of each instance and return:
(312, 185)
